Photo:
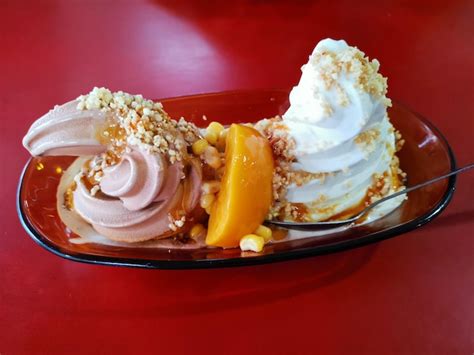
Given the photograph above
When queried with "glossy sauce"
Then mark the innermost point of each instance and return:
(68, 196)
(110, 133)
(374, 190)
(299, 212)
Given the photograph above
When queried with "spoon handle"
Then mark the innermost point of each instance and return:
(414, 187)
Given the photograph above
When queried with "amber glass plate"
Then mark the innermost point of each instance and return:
(426, 154)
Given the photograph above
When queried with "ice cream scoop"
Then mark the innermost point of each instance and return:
(138, 185)
(136, 205)
(341, 139)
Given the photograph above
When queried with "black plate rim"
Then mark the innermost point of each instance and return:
(247, 261)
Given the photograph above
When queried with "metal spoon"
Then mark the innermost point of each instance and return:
(353, 219)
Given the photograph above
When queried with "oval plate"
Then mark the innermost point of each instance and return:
(426, 154)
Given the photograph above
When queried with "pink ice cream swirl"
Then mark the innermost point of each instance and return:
(140, 197)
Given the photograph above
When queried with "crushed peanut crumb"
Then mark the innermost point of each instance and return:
(176, 222)
(367, 140)
(282, 146)
(351, 62)
(142, 123)
(94, 190)
(399, 141)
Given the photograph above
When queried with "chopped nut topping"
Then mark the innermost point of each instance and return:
(68, 196)
(343, 98)
(94, 190)
(327, 109)
(351, 62)
(399, 141)
(282, 145)
(142, 123)
(301, 177)
(176, 222)
(367, 139)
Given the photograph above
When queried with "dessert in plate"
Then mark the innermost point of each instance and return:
(144, 178)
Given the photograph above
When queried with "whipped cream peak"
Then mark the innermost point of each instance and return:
(335, 136)
(339, 95)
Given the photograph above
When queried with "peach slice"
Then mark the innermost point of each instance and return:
(246, 188)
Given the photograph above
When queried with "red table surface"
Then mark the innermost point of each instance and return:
(412, 294)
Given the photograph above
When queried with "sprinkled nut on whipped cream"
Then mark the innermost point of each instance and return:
(335, 141)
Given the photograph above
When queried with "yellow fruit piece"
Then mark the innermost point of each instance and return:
(199, 146)
(246, 188)
(252, 242)
(264, 232)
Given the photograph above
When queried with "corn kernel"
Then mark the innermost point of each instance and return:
(221, 140)
(211, 187)
(208, 209)
(223, 134)
(199, 146)
(212, 157)
(264, 232)
(215, 127)
(207, 200)
(215, 164)
(197, 231)
(252, 242)
(211, 137)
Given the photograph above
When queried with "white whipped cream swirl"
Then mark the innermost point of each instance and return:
(338, 121)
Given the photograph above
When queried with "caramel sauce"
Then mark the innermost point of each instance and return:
(112, 158)
(68, 196)
(89, 181)
(208, 173)
(192, 216)
(299, 212)
(110, 133)
(374, 190)
(351, 211)
(396, 181)
(108, 136)
(279, 234)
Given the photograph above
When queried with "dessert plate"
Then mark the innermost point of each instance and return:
(426, 154)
